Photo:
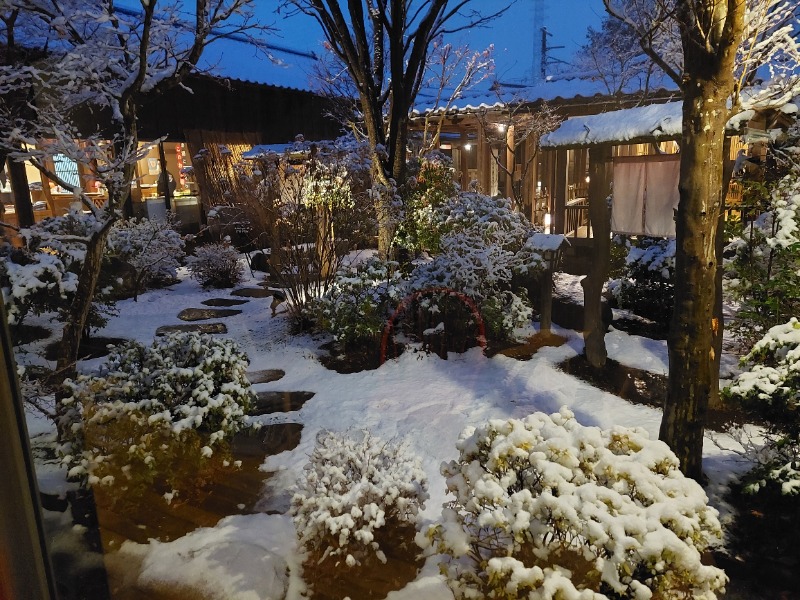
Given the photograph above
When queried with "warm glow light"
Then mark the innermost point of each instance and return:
(501, 127)
(467, 147)
(547, 220)
(587, 179)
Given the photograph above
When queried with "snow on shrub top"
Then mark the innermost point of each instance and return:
(659, 257)
(151, 246)
(547, 508)
(184, 381)
(355, 485)
(771, 390)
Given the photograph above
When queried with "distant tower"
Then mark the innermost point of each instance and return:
(537, 58)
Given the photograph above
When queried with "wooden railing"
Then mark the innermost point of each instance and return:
(576, 219)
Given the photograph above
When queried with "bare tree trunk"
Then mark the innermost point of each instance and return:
(718, 322)
(692, 375)
(599, 187)
(384, 208)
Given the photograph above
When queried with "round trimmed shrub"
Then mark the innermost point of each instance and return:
(216, 265)
(151, 411)
(356, 487)
(547, 508)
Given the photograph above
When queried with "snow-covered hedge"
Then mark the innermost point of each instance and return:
(547, 508)
(647, 286)
(770, 390)
(763, 271)
(151, 246)
(355, 487)
(42, 276)
(33, 282)
(356, 306)
(429, 187)
(146, 405)
(485, 245)
(216, 265)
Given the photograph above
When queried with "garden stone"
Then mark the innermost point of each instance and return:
(223, 302)
(252, 293)
(265, 375)
(272, 402)
(202, 314)
(197, 327)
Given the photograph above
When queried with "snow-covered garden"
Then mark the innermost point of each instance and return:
(473, 473)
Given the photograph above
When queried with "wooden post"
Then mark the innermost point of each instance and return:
(600, 175)
(25, 570)
(464, 162)
(510, 158)
(22, 194)
(559, 200)
(546, 301)
(164, 176)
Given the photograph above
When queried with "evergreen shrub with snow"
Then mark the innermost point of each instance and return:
(151, 246)
(763, 273)
(486, 247)
(43, 275)
(770, 391)
(428, 189)
(647, 286)
(357, 494)
(216, 265)
(547, 508)
(152, 411)
(358, 303)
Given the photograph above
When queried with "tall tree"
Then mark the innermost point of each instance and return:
(724, 43)
(100, 59)
(384, 45)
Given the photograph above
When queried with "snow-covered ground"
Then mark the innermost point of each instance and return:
(419, 397)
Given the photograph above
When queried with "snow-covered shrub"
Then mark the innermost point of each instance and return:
(647, 286)
(151, 246)
(356, 306)
(33, 282)
(150, 409)
(770, 391)
(763, 273)
(43, 275)
(427, 190)
(216, 265)
(547, 508)
(356, 487)
(486, 245)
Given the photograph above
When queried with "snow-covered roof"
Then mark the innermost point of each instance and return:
(282, 66)
(656, 121)
(496, 95)
(234, 56)
(652, 122)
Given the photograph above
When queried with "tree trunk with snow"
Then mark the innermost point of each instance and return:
(707, 86)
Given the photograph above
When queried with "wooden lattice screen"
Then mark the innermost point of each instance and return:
(219, 166)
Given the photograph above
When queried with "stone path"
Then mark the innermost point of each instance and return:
(265, 375)
(258, 292)
(203, 314)
(198, 327)
(224, 302)
(268, 403)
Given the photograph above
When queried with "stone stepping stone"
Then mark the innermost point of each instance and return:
(272, 402)
(268, 440)
(265, 375)
(252, 293)
(198, 327)
(202, 314)
(224, 302)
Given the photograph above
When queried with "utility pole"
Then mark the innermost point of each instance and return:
(545, 50)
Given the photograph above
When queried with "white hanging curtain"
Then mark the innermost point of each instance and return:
(645, 195)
